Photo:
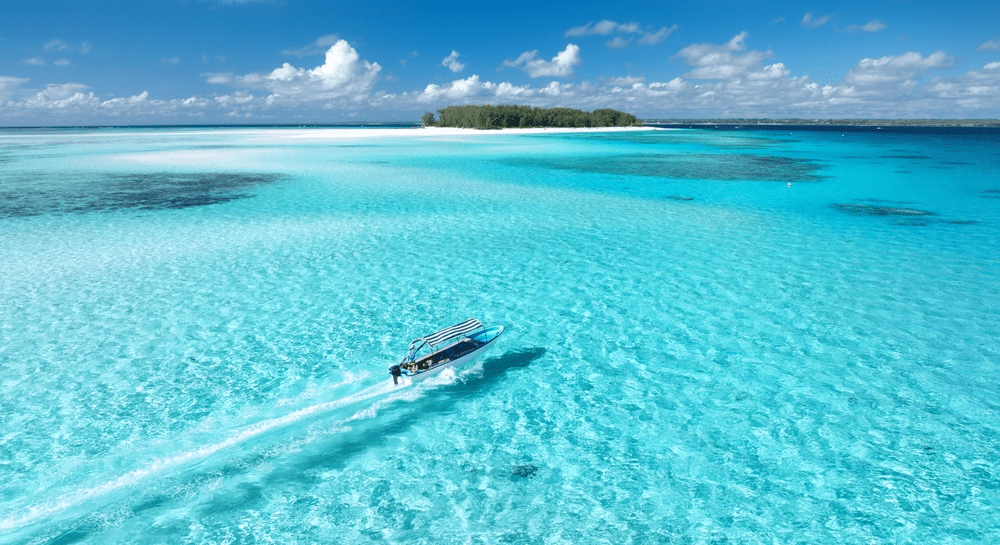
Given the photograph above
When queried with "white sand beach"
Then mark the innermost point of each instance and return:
(423, 132)
(251, 158)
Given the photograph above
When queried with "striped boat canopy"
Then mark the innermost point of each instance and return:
(467, 326)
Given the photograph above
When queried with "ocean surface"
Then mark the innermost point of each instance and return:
(712, 336)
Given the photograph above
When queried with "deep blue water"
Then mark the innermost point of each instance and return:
(712, 337)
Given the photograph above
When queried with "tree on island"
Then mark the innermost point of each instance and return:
(514, 116)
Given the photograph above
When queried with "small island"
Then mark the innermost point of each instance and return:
(510, 116)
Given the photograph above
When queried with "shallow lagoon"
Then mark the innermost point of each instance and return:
(195, 326)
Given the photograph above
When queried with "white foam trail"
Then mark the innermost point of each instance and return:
(36, 512)
(316, 391)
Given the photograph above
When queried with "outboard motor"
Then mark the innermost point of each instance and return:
(396, 373)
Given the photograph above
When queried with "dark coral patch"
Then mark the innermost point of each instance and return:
(715, 140)
(898, 215)
(875, 210)
(524, 471)
(114, 192)
(890, 201)
(720, 166)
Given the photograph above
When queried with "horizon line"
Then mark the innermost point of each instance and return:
(939, 122)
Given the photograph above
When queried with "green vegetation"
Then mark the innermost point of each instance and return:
(512, 116)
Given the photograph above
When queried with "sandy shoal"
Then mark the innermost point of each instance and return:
(424, 132)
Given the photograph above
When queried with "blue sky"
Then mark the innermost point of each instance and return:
(288, 61)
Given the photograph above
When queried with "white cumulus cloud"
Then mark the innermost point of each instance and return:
(118, 106)
(318, 47)
(34, 61)
(727, 61)
(989, 45)
(977, 93)
(8, 85)
(451, 62)
(603, 28)
(653, 38)
(62, 91)
(342, 77)
(474, 90)
(57, 45)
(606, 27)
(560, 66)
(871, 26)
(62, 96)
(219, 78)
(618, 42)
(237, 98)
(741, 84)
(812, 22)
(457, 90)
(623, 81)
(723, 80)
(897, 73)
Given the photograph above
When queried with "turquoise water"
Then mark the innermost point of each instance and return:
(195, 327)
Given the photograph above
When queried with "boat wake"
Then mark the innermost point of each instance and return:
(379, 395)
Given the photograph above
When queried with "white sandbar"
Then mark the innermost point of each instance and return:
(321, 133)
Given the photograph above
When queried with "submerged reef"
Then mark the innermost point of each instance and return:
(138, 191)
(717, 140)
(696, 166)
(524, 471)
(874, 210)
(913, 217)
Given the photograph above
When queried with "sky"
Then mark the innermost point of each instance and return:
(303, 61)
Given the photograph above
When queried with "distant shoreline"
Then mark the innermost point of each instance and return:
(816, 127)
(432, 132)
(335, 132)
(831, 122)
(536, 130)
(670, 122)
(341, 131)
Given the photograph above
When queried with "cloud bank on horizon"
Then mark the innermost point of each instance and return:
(732, 77)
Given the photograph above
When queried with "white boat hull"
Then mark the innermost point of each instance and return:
(489, 335)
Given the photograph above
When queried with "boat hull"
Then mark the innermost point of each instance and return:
(487, 336)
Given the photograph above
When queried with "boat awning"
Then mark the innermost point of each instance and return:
(467, 326)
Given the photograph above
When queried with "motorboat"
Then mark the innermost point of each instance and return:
(448, 347)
